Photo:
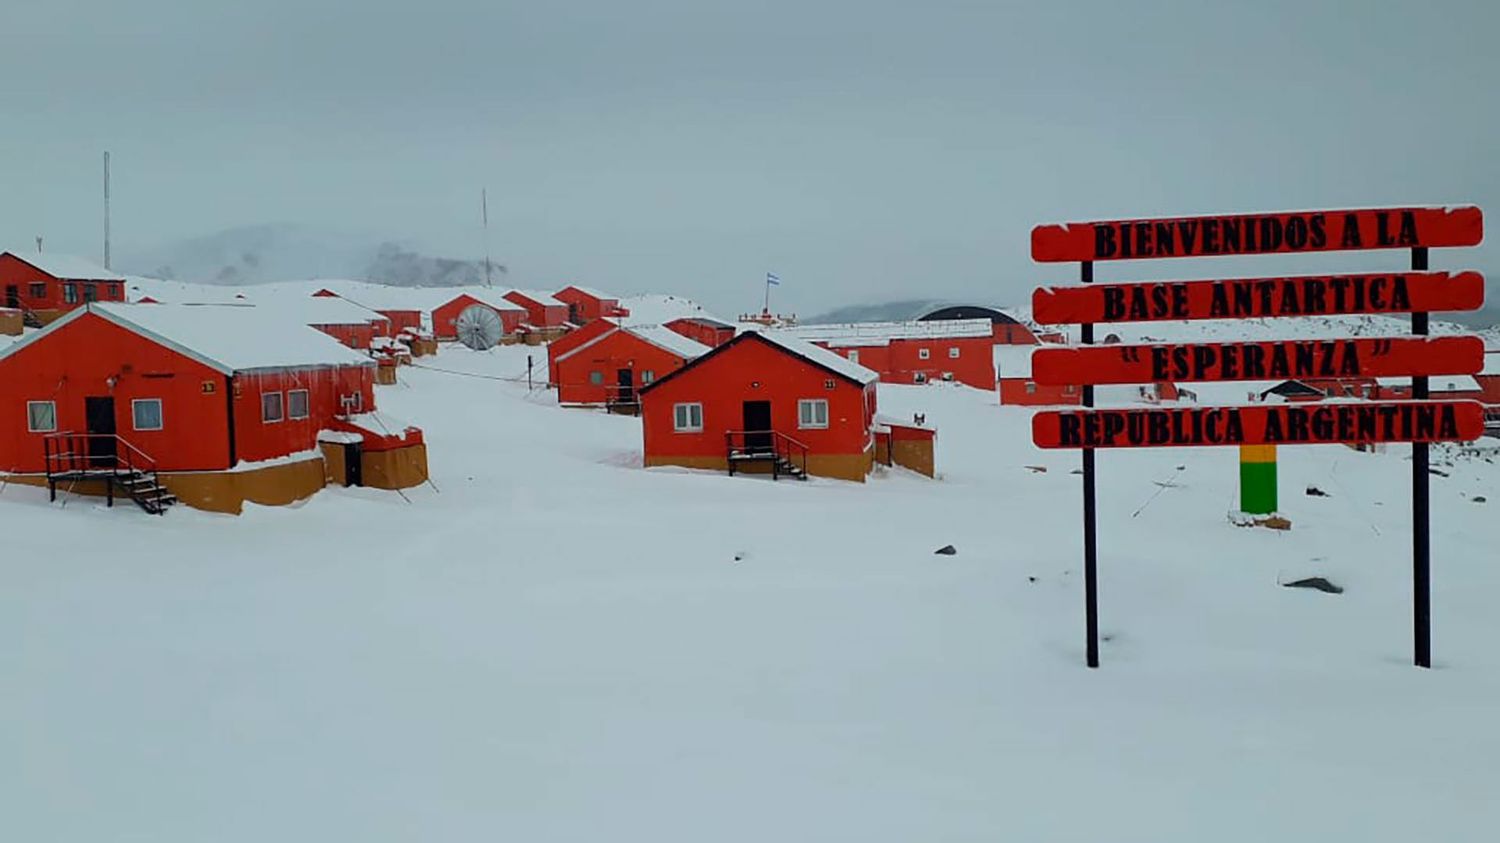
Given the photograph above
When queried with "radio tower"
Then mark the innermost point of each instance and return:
(106, 209)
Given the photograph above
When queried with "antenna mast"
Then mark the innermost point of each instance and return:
(106, 209)
(484, 210)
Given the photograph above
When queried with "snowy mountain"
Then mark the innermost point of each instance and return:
(264, 253)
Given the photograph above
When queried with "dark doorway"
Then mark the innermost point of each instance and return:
(758, 427)
(625, 389)
(12, 297)
(99, 418)
(354, 473)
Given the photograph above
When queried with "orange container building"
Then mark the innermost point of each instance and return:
(546, 317)
(763, 401)
(614, 366)
(709, 332)
(44, 286)
(572, 340)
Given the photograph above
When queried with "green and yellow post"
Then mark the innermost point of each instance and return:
(1258, 479)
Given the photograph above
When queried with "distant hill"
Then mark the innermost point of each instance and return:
(266, 253)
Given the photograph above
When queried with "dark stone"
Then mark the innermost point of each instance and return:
(1479, 499)
(947, 550)
(1314, 491)
(1318, 583)
(1031, 579)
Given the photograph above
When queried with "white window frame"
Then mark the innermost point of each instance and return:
(853, 355)
(306, 404)
(648, 376)
(32, 429)
(924, 354)
(38, 289)
(135, 419)
(70, 292)
(953, 352)
(805, 404)
(691, 408)
(280, 408)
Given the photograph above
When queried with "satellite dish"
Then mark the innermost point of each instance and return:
(479, 327)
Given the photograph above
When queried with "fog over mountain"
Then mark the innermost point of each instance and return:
(279, 252)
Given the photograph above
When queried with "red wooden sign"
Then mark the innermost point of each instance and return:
(1245, 298)
(1255, 234)
(1257, 361)
(1271, 424)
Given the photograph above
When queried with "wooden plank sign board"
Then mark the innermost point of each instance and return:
(1247, 298)
(1257, 361)
(1271, 424)
(1258, 234)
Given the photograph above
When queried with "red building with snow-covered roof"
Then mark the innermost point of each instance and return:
(44, 286)
(917, 351)
(224, 403)
(572, 340)
(404, 318)
(701, 329)
(615, 365)
(546, 317)
(764, 401)
(586, 304)
(1016, 386)
(445, 315)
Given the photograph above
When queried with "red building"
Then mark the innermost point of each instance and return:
(586, 305)
(1489, 381)
(1016, 387)
(194, 391)
(572, 340)
(615, 365)
(764, 402)
(351, 324)
(546, 317)
(913, 352)
(44, 286)
(709, 332)
(403, 318)
(445, 316)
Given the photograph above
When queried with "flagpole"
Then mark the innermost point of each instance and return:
(767, 308)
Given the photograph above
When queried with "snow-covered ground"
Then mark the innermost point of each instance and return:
(552, 643)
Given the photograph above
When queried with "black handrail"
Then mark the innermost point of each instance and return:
(783, 448)
(68, 456)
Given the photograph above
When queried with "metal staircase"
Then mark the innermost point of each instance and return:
(105, 458)
(785, 456)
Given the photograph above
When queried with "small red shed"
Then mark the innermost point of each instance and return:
(614, 366)
(445, 316)
(700, 329)
(764, 401)
(44, 286)
(586, 304)
(192, 391)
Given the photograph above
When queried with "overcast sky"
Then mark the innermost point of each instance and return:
(863, 150)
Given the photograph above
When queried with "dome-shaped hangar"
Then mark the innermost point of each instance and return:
(1008, 329)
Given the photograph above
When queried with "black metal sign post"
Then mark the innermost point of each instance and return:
(1090, 513)
(1421, 509)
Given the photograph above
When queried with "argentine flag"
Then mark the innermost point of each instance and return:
(772, 279)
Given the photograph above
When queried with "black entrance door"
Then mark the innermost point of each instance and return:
(99, 416)
(12, 296)
(354, 473)
(625, 391)
(758, 427)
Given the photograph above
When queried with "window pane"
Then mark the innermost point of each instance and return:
(147, 414)
(41, 416)
(296, 406)
(270, 406)
(90, 292)
(596, 378)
